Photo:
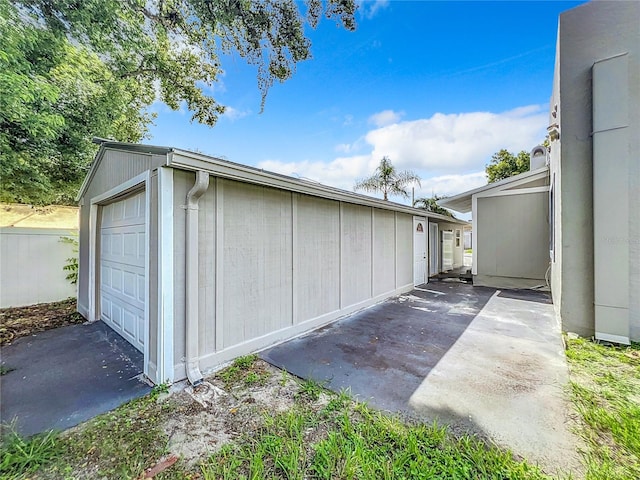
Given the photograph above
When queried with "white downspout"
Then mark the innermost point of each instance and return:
(192, 261)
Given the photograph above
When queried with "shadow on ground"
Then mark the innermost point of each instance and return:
(383, 354)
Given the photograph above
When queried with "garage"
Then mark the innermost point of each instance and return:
(122, 267)
(196, 260)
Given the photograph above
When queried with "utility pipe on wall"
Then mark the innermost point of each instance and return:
(192, 261)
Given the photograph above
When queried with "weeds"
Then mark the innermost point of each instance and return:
(244, 370)
(346, 440)
(19, 456)
(605, 389)
(309, 390)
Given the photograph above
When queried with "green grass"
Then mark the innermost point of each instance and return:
(605, 388)
(244, 370)
(347, 440)
(119, 444)
(19, 457)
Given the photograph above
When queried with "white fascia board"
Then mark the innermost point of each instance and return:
(186, 160)
(505, 193)
(90, 174)
(462, 202)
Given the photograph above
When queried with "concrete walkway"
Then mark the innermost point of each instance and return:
(483, 361)
(62, 377)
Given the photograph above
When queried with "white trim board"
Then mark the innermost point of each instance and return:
(165, 276)
(141, 181)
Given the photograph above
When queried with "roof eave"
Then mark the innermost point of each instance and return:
(462, 202)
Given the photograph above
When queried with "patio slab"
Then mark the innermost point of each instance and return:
(65, 376)
(483, 361)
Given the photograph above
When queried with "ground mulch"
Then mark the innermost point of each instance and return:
(24, 321)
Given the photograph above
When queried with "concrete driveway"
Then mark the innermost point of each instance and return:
(62, 377)
(484, 361)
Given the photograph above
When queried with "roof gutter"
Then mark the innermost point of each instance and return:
(192, 263)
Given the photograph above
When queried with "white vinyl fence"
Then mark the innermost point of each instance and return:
(31, 266)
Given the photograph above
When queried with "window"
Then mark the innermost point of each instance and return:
(419, 228)
(458, 234)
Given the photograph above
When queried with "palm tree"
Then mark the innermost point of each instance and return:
(388, 181)
(430, 205)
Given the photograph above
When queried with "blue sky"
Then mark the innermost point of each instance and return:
(436, 86)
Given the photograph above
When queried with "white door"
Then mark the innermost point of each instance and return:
(122, 268)
(419, 252)
(447, 250)
(434, 247)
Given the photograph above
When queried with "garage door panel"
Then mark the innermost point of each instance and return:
(122, 268)
(124, 245)
(126, 285)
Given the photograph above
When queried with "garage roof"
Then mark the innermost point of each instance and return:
(192, 161)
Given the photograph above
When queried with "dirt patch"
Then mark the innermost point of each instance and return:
(195, 431)
(24, 321)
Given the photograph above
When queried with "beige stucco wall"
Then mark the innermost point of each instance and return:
(587, 34)
(512, 237)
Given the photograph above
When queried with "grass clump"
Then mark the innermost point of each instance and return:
(346, 440)
(605, 389)
(119, 444)
(309, 390)
(244, 371)
(19, 456)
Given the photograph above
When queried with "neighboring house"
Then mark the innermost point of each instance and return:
(594, 173)
(32, 257)
(196, 260)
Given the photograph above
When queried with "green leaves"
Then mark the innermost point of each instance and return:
(505, 164)
(55, 96)
(431, 205)
(72, 70)
(388, 181)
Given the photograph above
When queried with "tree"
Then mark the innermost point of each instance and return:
(388, 181)
(172, 47)
(431, 205)
(54, 96)
(72, 70)
(505, 164)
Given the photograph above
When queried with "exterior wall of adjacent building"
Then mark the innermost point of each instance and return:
(512, 237)
(276, 263)
(589, 34)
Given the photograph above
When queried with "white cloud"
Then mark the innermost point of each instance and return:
(369, 8)
(448, 151)
(384, 118)
(448, 185)
(448, 143)
(344, 148)
(235, 114)
(341, 172)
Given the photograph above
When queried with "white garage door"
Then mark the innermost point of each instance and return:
(122, 267)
